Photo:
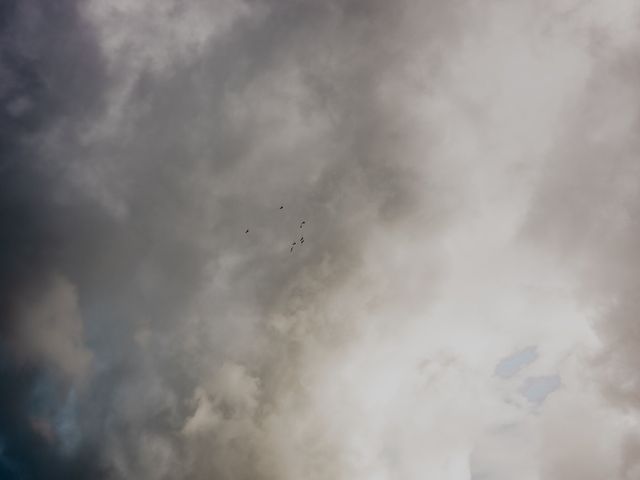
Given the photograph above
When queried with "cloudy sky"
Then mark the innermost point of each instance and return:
(465, 303)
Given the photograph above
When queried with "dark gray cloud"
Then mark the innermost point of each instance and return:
(41, 334)
(127, 183)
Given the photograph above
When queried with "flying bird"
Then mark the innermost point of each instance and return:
(246, 231)
(281, 207)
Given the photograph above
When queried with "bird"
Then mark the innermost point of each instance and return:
(293, 243)
(246, 231)
(302, 240)
(281, 207)
(291, 250)
(302, 223)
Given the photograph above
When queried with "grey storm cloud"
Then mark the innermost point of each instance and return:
(144, 334)
(127, 180)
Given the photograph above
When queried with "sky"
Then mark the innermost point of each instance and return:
(464, 305)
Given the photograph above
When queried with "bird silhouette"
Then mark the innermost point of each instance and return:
(246, 231)
(281, 207)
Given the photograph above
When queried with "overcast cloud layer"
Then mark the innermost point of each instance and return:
(465, 303)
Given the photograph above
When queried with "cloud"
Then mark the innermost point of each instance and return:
(44, 355)
(50, 331)
(447, 158)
